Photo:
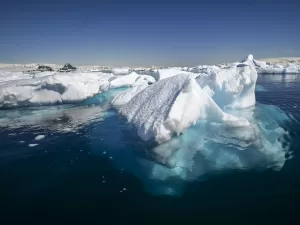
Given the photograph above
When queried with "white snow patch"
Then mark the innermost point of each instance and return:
(130, 79)
(166, 73)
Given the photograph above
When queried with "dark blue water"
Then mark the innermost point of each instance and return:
(92, 168)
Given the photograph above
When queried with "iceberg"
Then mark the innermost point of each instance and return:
(53, 89)
(170, 106)
(120, 71)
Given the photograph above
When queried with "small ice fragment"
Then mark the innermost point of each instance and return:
(124, 189)
(21, 141)
(81, 150)
(110, 157)
(32, 145)
(39, 137)
(104, 152)
(103, 181)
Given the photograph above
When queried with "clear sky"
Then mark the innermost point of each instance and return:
(145, 33)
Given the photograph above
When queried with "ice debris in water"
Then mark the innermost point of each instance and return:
(32, 145)
(39, 137)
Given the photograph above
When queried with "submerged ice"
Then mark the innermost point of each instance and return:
(170, 106)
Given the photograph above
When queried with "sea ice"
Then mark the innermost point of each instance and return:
(58, 88)
(268, 68)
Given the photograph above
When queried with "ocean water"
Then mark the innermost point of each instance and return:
(91, 167)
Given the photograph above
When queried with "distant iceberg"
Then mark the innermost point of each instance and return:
(51, 89)
(121, 71)
(268, 68)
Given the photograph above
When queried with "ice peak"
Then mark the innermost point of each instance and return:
(248, 58)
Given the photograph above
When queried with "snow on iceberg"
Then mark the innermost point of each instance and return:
(125, 96)
(58, 88)
(130, 79)
(166, 73)
(172, 105)
(7, 76)
(231, 87)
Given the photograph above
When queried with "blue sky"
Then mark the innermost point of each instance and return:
(119, 33)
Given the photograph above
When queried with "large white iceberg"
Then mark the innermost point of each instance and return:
(170, 106)
(58, 88)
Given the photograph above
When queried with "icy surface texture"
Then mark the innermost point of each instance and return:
(125, 96)
(166, 73)
(170, 106)
(53, 89)
(130, 79)
(231, 87)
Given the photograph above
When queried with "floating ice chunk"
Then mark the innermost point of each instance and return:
(172, 105)
(130, 79)
(32, 145)
(58, 88)
(39, 137)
